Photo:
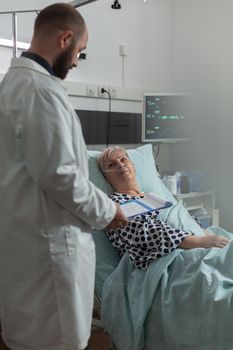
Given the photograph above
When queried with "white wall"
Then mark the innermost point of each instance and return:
(137, 26)
(143, 27)
(24, 24)
(202, 63)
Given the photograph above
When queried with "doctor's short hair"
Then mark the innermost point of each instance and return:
(106, 155)
(57, 17)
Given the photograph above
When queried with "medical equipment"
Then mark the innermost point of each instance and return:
(119, 170)
(171, 183)
(112, 171)
(165, 117)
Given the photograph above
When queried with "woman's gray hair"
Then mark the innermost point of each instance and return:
(106, 154)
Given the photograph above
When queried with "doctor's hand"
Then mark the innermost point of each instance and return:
(119, 220)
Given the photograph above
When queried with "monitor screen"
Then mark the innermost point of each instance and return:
(165, 117)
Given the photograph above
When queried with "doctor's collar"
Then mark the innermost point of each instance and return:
(38, 59)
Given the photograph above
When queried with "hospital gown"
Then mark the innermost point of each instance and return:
(145, 238)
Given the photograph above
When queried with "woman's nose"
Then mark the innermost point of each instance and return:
(119, 163)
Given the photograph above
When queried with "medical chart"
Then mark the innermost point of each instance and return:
(149, 202)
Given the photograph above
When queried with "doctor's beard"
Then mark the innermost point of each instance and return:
(62, 64)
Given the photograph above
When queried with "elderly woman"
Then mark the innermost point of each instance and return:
(145, 238)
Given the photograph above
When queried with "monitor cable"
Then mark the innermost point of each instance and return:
(156, 149)
(104, 91)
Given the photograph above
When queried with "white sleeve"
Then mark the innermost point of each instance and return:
(52, 162)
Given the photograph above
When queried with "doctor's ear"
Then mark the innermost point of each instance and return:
(65, 39)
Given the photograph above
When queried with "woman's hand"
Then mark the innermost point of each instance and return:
(207, 241)
(119, 221)
(211, 240)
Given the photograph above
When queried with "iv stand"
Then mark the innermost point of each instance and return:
(14, 33)
(76, 3)
(14, 26)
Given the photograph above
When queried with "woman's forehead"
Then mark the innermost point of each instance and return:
(116, 154)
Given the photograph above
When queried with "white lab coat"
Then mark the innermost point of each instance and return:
(47, 208)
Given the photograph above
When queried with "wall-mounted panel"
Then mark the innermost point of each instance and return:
(124, 128)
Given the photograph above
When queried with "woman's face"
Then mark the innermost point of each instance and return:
(118, 168)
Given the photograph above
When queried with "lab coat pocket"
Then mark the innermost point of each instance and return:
(69, 234)
(71, 243)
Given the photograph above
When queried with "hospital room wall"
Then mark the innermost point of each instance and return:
(143, 28)
(202, 64)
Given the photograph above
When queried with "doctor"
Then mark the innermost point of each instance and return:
(47, 204)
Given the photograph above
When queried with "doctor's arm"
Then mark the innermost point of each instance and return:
(52, 161)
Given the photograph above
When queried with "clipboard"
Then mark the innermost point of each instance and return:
(148, 203)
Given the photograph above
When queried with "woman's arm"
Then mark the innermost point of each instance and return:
(207, 241)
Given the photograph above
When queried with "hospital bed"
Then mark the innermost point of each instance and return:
(183, 300)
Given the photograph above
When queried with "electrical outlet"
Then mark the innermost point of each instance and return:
(123, 50)
(90, 90)
(112, 91)
(100, 93)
